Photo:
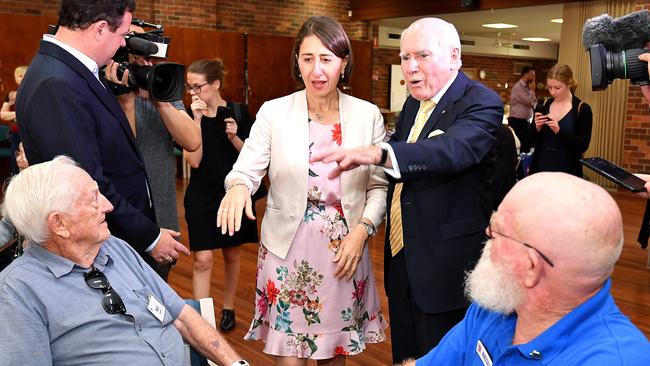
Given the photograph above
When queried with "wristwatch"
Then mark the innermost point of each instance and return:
(370, 228)
(240, 363)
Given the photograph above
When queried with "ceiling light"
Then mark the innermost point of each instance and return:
(536, 39)
(558, 20)
(499, 25)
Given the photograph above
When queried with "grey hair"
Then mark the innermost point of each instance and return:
(36, 192)
(442, 33)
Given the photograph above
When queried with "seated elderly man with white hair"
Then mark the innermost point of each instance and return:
(541, 289)
(79, 296)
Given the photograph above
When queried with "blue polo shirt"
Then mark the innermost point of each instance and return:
(594, 333)
(50, 316)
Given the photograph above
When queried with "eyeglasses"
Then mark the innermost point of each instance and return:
(111, 301)
(491, 236)
(195, 88)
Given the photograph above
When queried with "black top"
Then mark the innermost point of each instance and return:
(504, 177)
(561, 152)
(206, 188)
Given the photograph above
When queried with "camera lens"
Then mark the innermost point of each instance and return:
(165, 81)
(607, 65)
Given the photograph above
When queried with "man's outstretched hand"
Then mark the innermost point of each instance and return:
(348, 159)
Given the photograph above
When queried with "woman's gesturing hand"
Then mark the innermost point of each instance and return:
(233, 204)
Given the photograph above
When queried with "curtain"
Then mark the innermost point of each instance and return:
(608, 106)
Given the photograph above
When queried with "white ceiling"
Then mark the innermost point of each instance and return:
(532, 21)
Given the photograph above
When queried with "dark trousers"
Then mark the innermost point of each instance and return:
(14, 139)
(520, 126)
(413, 332)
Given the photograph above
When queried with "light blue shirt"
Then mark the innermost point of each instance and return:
(594, 333)
(49, 315)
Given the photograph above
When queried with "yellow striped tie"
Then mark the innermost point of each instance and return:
(396, 231)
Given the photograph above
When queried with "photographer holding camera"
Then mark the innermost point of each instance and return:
(618, 49)
(63, 109)
(156, 126)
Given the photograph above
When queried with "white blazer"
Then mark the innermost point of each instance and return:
(279, 142)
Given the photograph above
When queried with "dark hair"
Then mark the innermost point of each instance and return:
(526, 69)
(331, 34)
(211, 69)
(80, 14)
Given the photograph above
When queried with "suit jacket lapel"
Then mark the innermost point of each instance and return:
(410, 112)
(454, 93)
(105, 96)
(298, 127)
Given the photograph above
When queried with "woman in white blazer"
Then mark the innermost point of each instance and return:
(315, 293)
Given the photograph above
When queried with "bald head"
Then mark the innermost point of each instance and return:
(575, 222)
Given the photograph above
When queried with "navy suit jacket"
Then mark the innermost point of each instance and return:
(447, 195)
(63, 109)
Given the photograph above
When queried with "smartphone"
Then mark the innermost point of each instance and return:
(541, 108)
(224, 112)
(615, 173)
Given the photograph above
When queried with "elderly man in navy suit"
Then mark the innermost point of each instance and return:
(63, 108)
(440, 196)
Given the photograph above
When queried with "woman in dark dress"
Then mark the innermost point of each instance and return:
(562, 130)
(222, 139)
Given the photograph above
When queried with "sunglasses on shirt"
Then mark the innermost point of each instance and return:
(111, 300)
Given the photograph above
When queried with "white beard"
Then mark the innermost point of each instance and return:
(493, 287)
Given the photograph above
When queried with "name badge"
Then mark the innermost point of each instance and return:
(483, 353)
(156, 308)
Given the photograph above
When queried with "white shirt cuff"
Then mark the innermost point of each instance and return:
(394, 171)
(153, 245)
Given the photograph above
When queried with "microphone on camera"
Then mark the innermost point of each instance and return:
(142, 46)
(626, 32)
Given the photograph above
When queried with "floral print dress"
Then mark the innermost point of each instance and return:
(301, 310)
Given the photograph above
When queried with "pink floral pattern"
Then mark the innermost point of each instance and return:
(301, 309)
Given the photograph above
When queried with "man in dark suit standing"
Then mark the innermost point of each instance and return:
(63, 108)
(440, 196)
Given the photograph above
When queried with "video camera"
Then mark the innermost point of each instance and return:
(614, 47)
(165, 80)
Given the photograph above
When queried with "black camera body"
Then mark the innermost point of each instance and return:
(164, 81)
(614, 47)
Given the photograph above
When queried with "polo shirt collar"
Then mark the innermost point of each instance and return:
(60, 266)
(552, 341)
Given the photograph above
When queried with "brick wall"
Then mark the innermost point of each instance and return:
(279, 17)
(382, 58)
(30, 7)
(499, 71)
(636, 133)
